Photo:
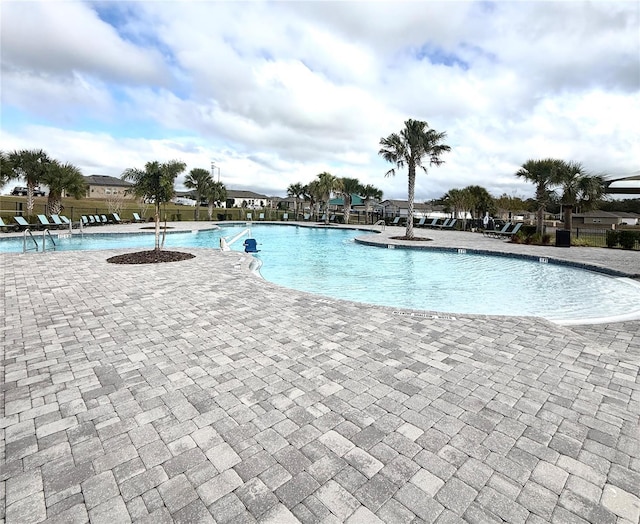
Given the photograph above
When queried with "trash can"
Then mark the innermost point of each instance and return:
(563, 238)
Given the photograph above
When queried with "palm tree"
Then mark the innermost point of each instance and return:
(370, 194)
(544, 174)
(578, 189)
(409, 147)
(6, 171)
(313, 194)
(327, 184)
(481, 201)
(198, 179)
(62, 179)
(349, 187)
(30, 164)
(295, 191)
(215, 193)
(155, 182)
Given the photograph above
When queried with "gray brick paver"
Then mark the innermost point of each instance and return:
(133, 408)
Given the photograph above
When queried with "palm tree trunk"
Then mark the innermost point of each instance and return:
(30, 200)
(197, 210)
(157, 220)
(568, 212)
(347, 208)
(411, 192)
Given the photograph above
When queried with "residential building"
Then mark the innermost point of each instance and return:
(103, 186)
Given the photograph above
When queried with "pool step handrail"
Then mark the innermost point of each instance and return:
(24, 241)
(46, 233)
(225, 245)
(381, 223)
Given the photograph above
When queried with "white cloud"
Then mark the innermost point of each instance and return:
(278, 92)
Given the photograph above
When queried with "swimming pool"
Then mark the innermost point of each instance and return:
(328, 262)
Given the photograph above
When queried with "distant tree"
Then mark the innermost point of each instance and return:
(155, 183)
(6, 171)
(62, 179)
(545, 174)
(198, 179)
(296, 191)
(313, 194)
(327, 185)
(215, 193)
(350, 186)
(370, 194)
(481, 201)
(408, 148)
(579, 189)
(459, 202)
(30, 164)
(506, 204)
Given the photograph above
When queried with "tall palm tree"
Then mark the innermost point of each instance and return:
(370, 194)
(578, 189)
(408, 148)
(544, 174)
(295, 191)
(62, 179)
(30, 164)
(313, 194)
(327, 184)
(198, 179)
(215, 193)
(6, 171)
(156, 183)
(350, 186)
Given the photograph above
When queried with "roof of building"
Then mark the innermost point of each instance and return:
(105, 180)
(234, 193)
(403, 204)
(356, 200)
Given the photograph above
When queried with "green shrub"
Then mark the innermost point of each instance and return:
(612, 238)
(628, 238)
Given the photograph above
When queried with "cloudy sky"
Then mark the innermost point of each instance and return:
(277, 92)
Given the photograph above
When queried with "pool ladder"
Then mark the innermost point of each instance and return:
(380, 223)
(46, 233)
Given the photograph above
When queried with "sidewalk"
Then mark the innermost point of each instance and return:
(197, 392)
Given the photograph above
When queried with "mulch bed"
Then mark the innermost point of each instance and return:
(150, 257)
(414, 239)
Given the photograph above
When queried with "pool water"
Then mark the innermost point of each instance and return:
(328, 262)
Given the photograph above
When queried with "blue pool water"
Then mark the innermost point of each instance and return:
(328, 262)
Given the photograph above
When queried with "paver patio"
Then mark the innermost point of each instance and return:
(197, 392)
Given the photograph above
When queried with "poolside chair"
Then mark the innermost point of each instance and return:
(92, 220)
(44, 222)
(445, 223)
(333, 218)
(58, 221)
(261, 216)
(98, 220)
(495, 233)
(136, 218)
(22, 223)
(8, 227)
(104, 219)
(306, 216)
(450, 225)
(117, 219)
(249, 216)
(396, 222)
(285, 217)
(250, 245)
(65, 220)
(420, 222)
(510, 233)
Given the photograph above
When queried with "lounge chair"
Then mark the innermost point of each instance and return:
(117, 219)
(97, 220)
(511, 232)
(333, 219)
(250, 245)
(65, 220)
(497, 232)
(104, 219)
(58, 221)
(249, 217)
(450, 225)
(44, 222)
(22, 223)
(420, 222)
(433, 223)
(285, 217)
(306, 216)
(92, 220)
(8, 227)
(396, 222)
(136, 218)
(261, 216)
(445, 223)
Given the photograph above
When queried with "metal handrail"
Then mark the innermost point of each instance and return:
(44, 240)
(24, 241)
(381, 223)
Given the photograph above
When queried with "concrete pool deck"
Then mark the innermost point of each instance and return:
(195, 392)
